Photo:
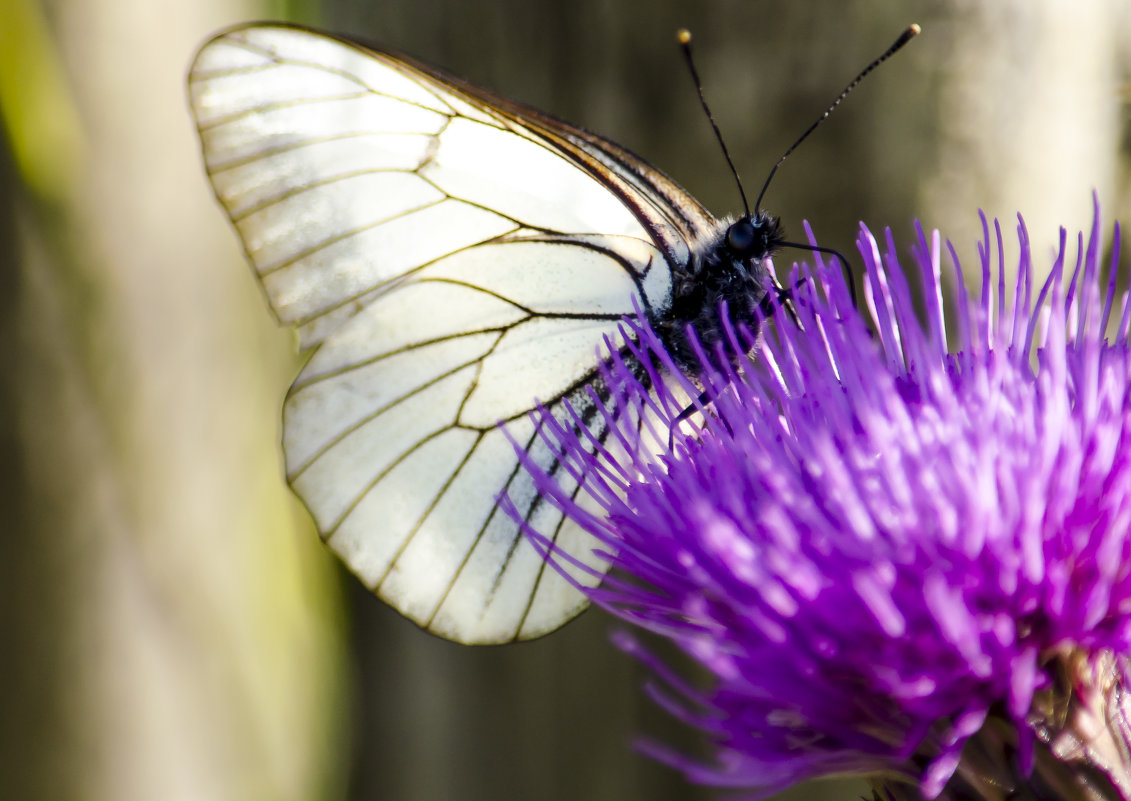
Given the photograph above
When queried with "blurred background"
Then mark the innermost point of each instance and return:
(170, 626)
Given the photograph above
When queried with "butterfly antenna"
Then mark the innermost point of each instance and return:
(683, 36)
(904, 38)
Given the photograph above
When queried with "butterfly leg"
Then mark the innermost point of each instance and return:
(703, 399)
(781, 298)
(849, 277)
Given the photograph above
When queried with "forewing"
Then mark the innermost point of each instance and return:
(345, 170)
(450, 261)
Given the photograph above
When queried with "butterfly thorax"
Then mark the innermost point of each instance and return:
(729, 266)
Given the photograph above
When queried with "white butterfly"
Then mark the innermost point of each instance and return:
(448, 257)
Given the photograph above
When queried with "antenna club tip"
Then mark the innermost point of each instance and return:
(910, 33)
(683, 36)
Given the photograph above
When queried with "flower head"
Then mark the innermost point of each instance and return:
(881, 546)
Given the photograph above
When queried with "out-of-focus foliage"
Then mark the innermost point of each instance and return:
(40, 120)
(172, 629)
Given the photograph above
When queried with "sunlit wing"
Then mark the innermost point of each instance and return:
(449, 257)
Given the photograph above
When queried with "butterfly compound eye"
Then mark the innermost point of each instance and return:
(741, 237)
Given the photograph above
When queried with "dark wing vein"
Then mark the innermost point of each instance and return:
(645, 190)
(478, 360)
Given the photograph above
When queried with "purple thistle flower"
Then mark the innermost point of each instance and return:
(886, 548)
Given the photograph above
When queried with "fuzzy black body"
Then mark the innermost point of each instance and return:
(727, 267)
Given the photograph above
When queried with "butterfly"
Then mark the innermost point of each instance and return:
(448, 258)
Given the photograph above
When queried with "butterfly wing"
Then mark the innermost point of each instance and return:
(448, 256)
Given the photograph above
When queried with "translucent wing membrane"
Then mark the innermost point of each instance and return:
(451, 258)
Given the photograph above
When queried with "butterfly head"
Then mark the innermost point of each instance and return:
(726, 269)
(754, 236)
